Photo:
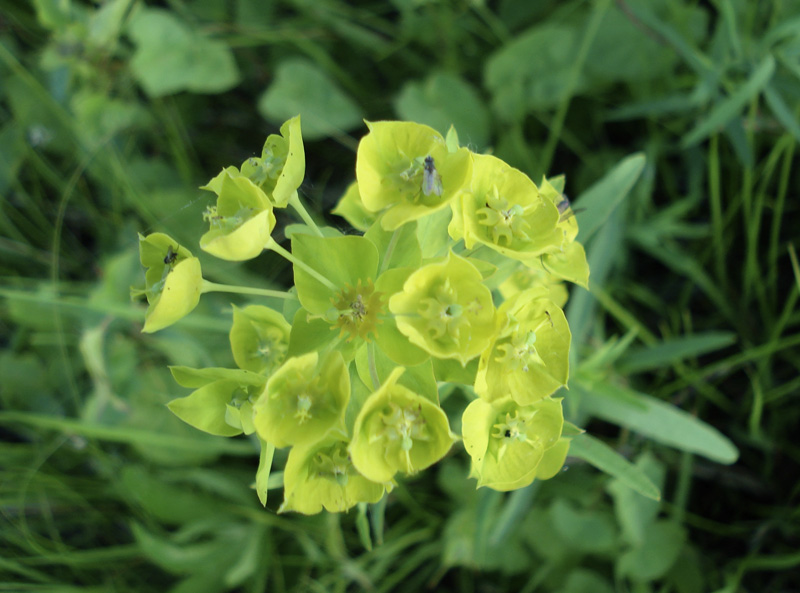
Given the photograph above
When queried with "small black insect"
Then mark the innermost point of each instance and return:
(171, 256)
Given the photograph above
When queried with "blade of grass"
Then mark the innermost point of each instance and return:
(129, 436)
(730, 107)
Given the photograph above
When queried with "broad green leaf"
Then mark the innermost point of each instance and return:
(730, 107)
(300, 86)
(635, 514)
(171, 57)
(657, 553)
(658, 420)
(601, 199)
(533, 71)
(586, 530)
(604, 458)
(442, 100)
(670, 351)
(194, 378)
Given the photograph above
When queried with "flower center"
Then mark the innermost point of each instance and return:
(357, 309)
(506, 222)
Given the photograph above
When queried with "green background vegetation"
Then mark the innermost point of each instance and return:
(676, 125)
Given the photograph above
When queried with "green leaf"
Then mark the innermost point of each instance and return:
(729, 108)
(670, 351)
(442, 100)
(609, 461)
(170, 57)
(301, 87)
(659, 551)
(588, 531)
(533, 71)
(658, 420)
(601, 199)
(263, 471)
(782, 111)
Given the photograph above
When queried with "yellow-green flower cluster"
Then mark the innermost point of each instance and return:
(460, 267)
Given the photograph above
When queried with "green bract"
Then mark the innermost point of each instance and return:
(529, 355)
(351, 208)
(445, 310)
(280, 169)
(507, 442)
(320, 475)
(393, 174)
(303, 399)
(503, 210)
(242, 220)
(222, 404)
(173, 280)
(259, 338)
(398, 430)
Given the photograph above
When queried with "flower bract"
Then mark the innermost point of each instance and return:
(407, 170)
(173, 280)
(303, 399)
(321, 475)
(240, 223)
(529, 355)
(445, 310)
(398, 430)
(507, 442)
(259, 338)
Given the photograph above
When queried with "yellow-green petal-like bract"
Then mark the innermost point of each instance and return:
(503, 210)
(320, 475)
(173, 280)
(398, 430)
(303, 399)
(507, 442)
(406, 170)
(446, 310)
(242, 221)
(528, 358)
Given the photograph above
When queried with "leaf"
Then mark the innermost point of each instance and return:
(533, 71)
(588, 531)
(729, 108)
(442, 100)
(301, 87)
(670, 351)
(782, 111)
(263, 472)
(170, 57)
(609, 461)
(601, 199)
(658, 420)
(659, 551)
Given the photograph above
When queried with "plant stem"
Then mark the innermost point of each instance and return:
(214, 287)
(295, 203)
(273, 245)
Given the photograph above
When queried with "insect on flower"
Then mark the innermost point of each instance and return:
(171, 256)
(431, 180)
(565, 209)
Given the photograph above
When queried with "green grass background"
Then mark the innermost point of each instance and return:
(676, 125)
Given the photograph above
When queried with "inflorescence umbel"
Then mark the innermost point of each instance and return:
(454, 289)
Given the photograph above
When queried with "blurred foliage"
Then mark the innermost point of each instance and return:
(113, 113)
